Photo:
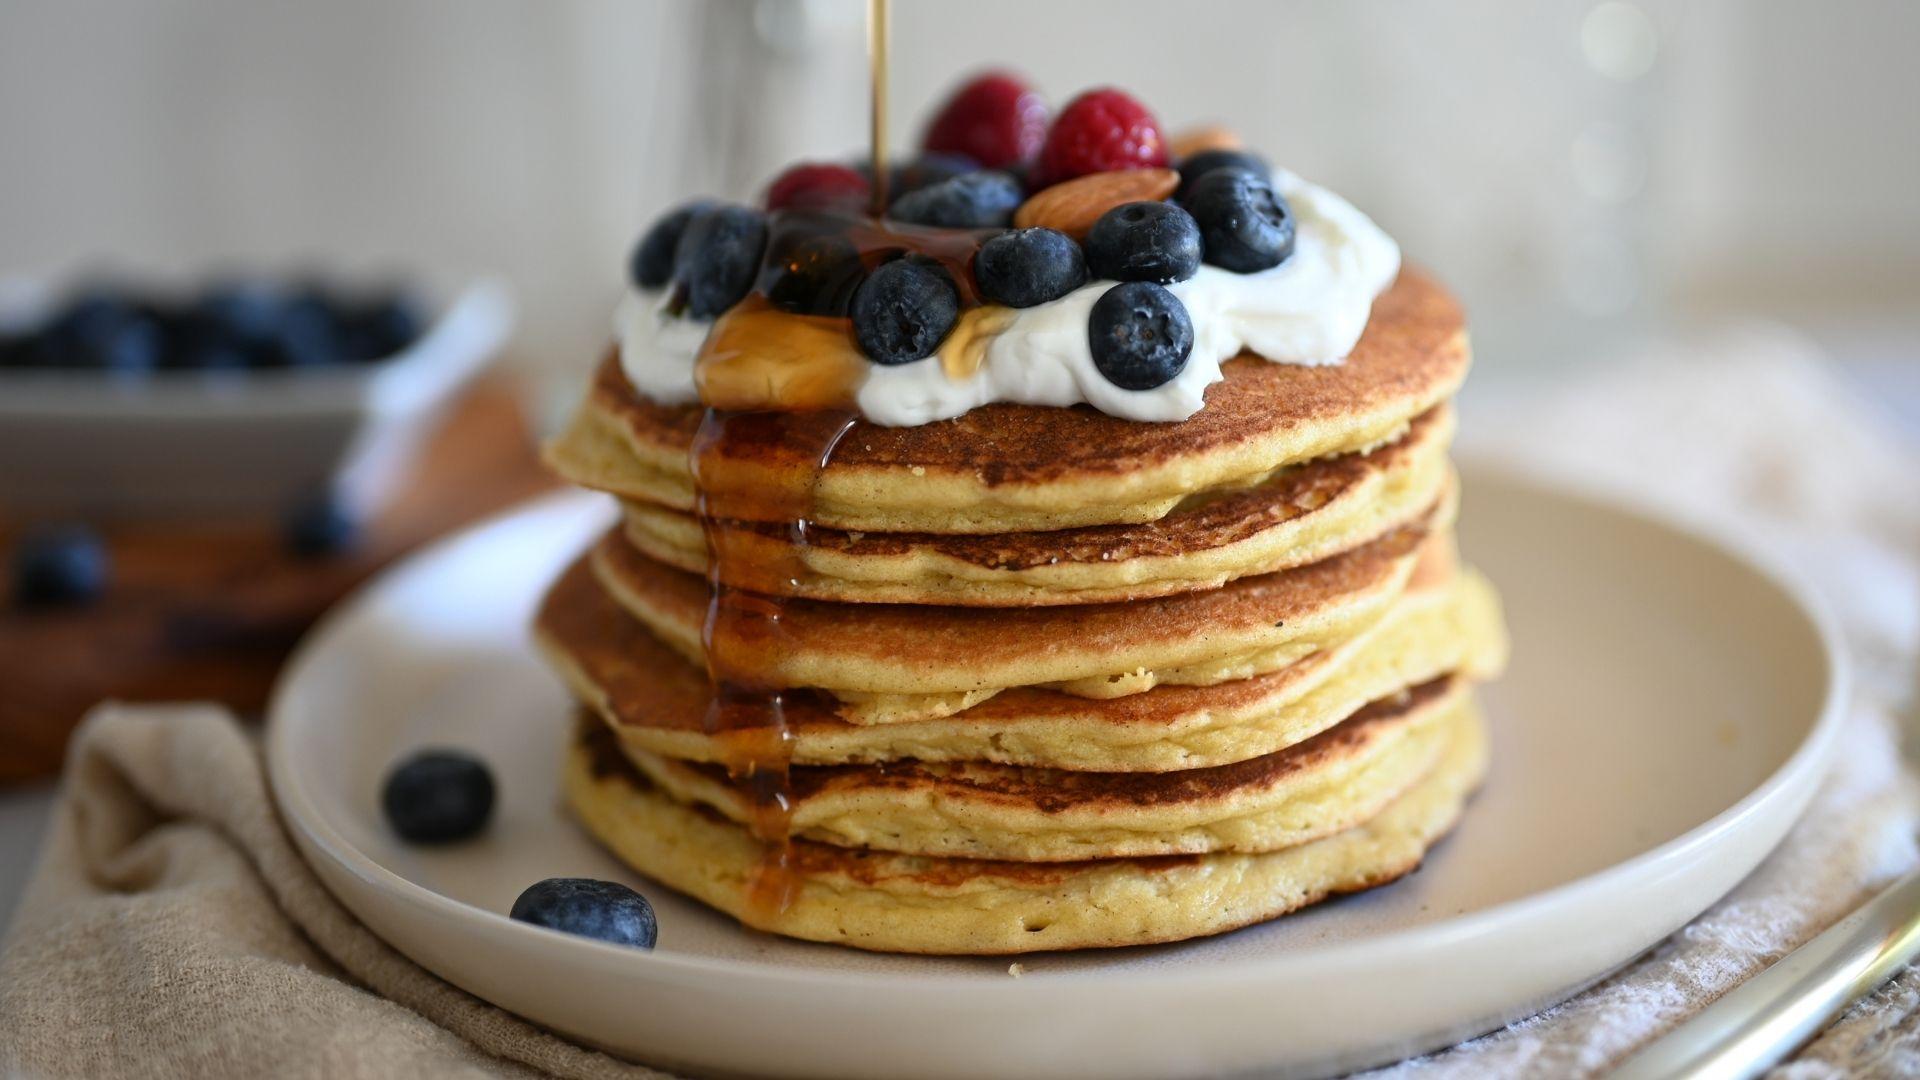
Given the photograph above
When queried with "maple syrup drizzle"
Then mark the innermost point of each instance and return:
(744, 632)
(773, 378)
(760, 356)
(877, 12)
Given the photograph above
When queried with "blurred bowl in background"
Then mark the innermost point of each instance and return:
(156, 443)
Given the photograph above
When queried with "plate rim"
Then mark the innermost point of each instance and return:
(304, 821)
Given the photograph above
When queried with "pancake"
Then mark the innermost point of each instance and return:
(1302, 514)
(935, 654)
(918, 904)
(1328, 783)
(658, 702)
(1018, 468)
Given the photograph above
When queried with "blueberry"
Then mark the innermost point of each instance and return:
(58, 567)
(813, 275)
(1144, 241)
(379, 326)
(904, 310)
(209, 354)
(317, 526)
(135, 347)
(196, 343)
(1029, 266)
(606, 910)
(92, 310)
(101, 329)
(922, 171)
(437, 796)
(306, 335)
(717, 257)
(651, 264)
(1206, 161)
(248, 311)
(1140, 335)
(1244, 224)
(977, 200)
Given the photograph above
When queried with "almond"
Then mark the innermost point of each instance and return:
(1073, 206)
(1212, 137)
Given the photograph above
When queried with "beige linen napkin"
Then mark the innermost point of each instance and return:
(172, 930)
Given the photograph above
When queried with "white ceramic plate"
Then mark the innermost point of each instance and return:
(1665, 720)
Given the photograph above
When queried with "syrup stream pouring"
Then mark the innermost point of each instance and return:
(877, 12)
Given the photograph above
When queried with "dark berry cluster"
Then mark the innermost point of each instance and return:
(239, 325)
(986, 151)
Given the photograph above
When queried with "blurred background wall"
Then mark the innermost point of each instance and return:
(1581, 171)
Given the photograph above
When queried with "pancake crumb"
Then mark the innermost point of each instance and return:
(1016, 969)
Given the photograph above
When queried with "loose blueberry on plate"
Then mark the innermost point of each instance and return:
(60, 566)
(1206, 161)
(318, 526)
(651, 264)
(1140, 335)
(978, 200)
(605, 910)
(1144, 241)
(718, 255)
(904, 310)
(1245, 225)
(438, 796)
(1029, 266)
(814, 275)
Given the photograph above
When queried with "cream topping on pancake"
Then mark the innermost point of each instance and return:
(1311, 310)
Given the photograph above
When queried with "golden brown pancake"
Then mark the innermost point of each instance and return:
(1328, 783)
(905, 649)
(1019, 468)
(920, 904)
(1300, 515)
(659, 703)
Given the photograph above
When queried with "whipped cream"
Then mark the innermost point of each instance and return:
(1311, 309)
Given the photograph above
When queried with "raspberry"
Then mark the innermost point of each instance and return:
(996, 119)
(1100, 131)
(818, 185)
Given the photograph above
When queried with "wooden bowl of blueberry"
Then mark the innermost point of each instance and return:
(241, 396)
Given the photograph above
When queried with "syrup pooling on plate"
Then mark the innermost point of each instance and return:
(744, 630)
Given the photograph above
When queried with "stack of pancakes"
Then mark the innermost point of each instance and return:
(1033, 678)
